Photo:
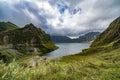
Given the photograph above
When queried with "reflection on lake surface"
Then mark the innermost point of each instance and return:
(67, 49)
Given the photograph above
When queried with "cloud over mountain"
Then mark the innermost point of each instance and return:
(61, 17)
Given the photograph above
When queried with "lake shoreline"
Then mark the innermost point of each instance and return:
(66, 49)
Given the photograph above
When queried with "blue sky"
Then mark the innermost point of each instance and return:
(61, 17)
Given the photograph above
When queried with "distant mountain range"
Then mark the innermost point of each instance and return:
(61, 39)
(84, 38)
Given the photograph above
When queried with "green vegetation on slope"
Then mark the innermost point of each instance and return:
(95, 63)
(6, 26)
(27, 40)
(112, 33)
(99, 62)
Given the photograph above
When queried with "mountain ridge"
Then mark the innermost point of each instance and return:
(26, 40)
(90, 36)
(112, 33)
(5, 26)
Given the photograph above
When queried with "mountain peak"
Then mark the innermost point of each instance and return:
(31, 24)
(28, 39)
(30, 27)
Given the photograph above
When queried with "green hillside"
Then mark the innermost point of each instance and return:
(5, 26)
(112, 33)
(24, 41)
(99, 62)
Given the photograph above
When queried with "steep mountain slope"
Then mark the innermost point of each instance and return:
(5, 26)
(112, 33)
(102, 60)
(27, 40)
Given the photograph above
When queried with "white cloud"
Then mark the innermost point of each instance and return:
(30, 15)
(90, 19)
(94, 15)
(10, 1)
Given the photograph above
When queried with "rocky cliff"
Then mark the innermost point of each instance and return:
(26, 40)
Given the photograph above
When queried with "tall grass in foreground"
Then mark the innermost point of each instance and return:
(45, 70)
(100, 66)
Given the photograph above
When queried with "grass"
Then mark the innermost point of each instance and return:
(6, 26)
(103, 65)
(109, 35)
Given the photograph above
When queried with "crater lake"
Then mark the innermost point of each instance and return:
(67, 49)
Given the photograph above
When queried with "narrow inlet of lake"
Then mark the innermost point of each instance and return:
(67, 49)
